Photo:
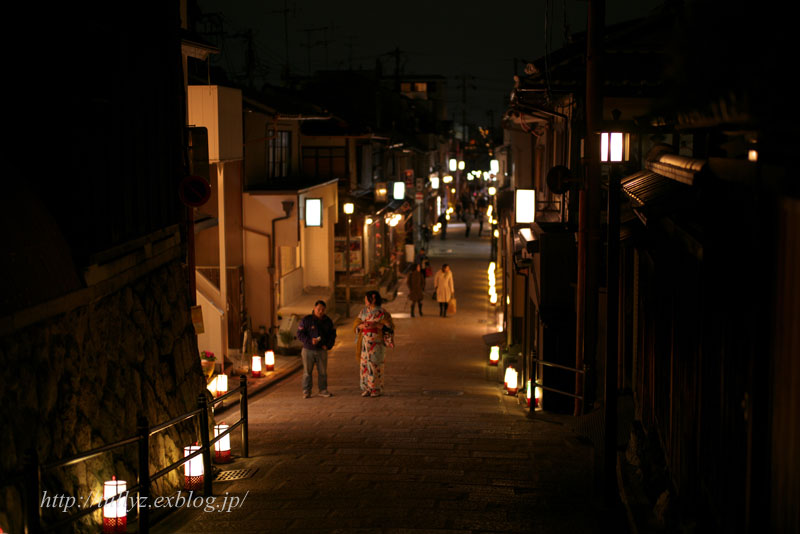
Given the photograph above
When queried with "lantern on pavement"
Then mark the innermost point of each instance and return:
(115, 517)
(222, 448)
(193, 469)
(269, 360)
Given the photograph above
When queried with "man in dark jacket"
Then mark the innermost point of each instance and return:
(318, 335)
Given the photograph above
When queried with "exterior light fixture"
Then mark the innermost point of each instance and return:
(494, 355)
(537, 397)
(447, 178)
(193, 469)
(511, 380)
(453, 164)
(269, 360)
(368, 220)
(256, 367)
(496, 233)
(524, 206)
(752, 155)
(314, 212)
(399, 190)
(115, 516)
(614, 147)
(348, 208)
(461, 165)
(434, 182)
(493, 298)
(494, 166)
(485, 176)
(492, 190)
(453, 190)
(470, 177)
(222, 448)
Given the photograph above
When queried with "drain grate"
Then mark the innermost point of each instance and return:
(443, 392)
(235, 474)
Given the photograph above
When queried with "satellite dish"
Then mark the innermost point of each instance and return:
(558, 179)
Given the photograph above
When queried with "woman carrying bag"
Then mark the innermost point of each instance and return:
(443, 287)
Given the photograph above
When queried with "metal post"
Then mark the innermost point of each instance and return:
(243, 415)
(142, 506)
(612, 310)
(347, 264)
(205, 448)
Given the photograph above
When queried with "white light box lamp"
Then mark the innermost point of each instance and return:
(524, 206)
(399, 190)
(614, 147)
(314, 212)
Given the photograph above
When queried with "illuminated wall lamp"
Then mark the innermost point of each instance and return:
(269, 360)
(447, 178)
(453, 164)
(524, 206)
(492, 190)
(434, 182)
(313, 212)
(193, 469)
(494, 166)
(348, 208)
(399, 190)
(222, 448)
(494, 355)
(461, 165)
(115, 517)
(614, 147)
(255, 367)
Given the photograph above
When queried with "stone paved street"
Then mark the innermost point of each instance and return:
(443, 451)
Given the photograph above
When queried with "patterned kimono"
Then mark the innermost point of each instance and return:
(372, 348)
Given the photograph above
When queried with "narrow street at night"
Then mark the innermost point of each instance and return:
(546, 254)
(444, 449)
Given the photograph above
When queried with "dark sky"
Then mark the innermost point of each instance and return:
(446, 37)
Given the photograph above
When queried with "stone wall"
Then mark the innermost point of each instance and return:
(81, 379)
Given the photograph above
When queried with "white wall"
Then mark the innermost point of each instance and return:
(219, 109)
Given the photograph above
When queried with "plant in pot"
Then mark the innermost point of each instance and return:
(207, 362)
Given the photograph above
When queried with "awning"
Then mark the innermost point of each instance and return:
(653, 194)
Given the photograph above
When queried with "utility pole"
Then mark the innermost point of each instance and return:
(285, 11)
(309, 45)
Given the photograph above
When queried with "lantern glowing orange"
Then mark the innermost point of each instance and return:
(511, 380)
(256, 368)
(269, 360)
(222, 385)
(222, 448)
(115, 517)
(494, 355)
(193, 469)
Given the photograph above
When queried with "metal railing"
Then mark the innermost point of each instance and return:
(581, 372)
(31, 478)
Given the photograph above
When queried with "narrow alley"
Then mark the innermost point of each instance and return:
(442, 451)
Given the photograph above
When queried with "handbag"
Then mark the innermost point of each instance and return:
(451, 306)
(388, 337)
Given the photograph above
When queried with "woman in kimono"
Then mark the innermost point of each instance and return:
(369, 327)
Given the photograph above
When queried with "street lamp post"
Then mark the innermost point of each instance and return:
(348, 210)
(613, 150)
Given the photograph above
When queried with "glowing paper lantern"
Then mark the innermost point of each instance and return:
(193, 469)
(256, 367)
(222, 448)
(537, 397)
(528, 393)
(511, 380)
(494, 355)
(115, 517)
(222, 384)
(269, 360)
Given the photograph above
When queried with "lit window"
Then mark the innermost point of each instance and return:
(421, 87)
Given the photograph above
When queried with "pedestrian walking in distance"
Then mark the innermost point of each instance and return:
(443, 287)
(371, 321)
(318, 335)
(416, 287)
(443, 221)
